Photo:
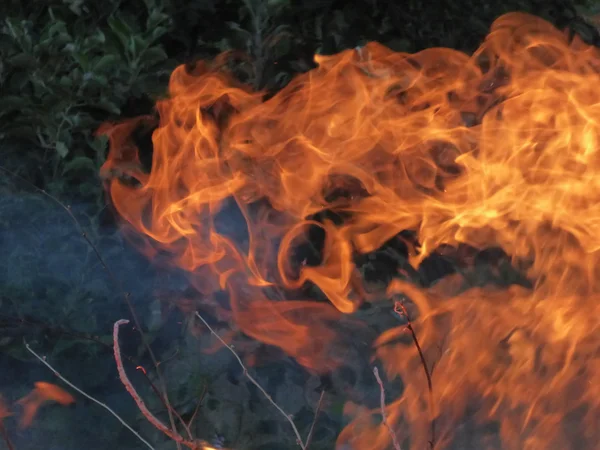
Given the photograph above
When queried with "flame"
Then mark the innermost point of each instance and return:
(494, 149)
(44, 392)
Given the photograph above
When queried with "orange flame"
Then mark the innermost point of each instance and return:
(44, 392)
(495, 149)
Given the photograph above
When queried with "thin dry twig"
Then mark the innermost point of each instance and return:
(198, 405)
(173, 434)
(400, 309)
(164, 403)
(382, 409)
(116, 282)
(128, 358)
(299, 440)
(98, 402)
(314, 422)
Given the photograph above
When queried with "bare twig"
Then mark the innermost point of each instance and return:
(173, 434)
(400, 309)
(98, 341)
(116, 282)
(71, 385)
(382, 409)
(164, 403)
(198, 405)
(314, 422)
(299, 440)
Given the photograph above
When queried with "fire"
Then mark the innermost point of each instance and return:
(494, 149)
(43, 393)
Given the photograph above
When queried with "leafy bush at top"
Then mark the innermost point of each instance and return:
(64, 69)
(67, 65)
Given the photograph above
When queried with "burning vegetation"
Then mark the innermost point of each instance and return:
(498, 149)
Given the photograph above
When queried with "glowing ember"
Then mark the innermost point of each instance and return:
(498, 149)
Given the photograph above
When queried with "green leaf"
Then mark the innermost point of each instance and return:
(98, 38)
(100, 79)
(83, 61)
(65, 81)
(106, 62)
(108, 106)
(120, 29)
(66, 344)
(62, 149)
(156, 17)
(99, 143)
(152, 56)
(18, 352)
(158, 32)
(10, 103)
(22, 61)
(239, 29)
(136, 44)
(75, 6)
(78, 164)
(107, 338)
(282, 78)
(278, 3)
(76, 76)
(57, 27)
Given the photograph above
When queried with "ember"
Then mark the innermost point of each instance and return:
(497, 149)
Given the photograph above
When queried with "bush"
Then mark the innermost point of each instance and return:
(64, 69)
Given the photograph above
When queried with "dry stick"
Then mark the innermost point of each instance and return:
(198, 405)
(68, 383)
(255, 383)
(173, 434)
(314, 422)
(400, 309)
(115, 281)
(128, 358)
(162, 400)
(382, 408)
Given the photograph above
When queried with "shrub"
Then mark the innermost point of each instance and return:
(65, 68)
